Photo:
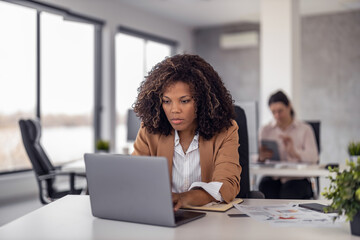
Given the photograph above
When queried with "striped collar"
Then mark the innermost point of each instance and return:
(193, 145)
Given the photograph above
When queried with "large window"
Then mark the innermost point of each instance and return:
(49, 65)
(67, 87)
(17, 81)
(135, 55)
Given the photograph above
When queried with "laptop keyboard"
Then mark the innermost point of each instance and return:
(182, 216)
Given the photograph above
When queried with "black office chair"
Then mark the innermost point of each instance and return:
(316, 128)
(133, 125)
(244, 156)
(45, 172)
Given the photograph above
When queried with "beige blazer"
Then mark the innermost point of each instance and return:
(219, 157)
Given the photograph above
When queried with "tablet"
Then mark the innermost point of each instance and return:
(273, 146)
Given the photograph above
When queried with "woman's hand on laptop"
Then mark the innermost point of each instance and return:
(194, 197)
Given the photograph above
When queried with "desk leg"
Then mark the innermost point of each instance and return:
(315, 184)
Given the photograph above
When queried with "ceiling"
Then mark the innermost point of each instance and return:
(203, 13)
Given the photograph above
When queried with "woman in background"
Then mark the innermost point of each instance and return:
(187, 116)
(296, 143)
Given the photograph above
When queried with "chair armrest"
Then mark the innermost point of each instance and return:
(60, 173)
(72, 173)
(47, 176)
(72, 176)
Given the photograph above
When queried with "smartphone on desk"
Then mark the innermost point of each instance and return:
(315, 207)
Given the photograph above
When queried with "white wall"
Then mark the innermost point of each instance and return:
(280, 53)
(116, 14)
(330, 75)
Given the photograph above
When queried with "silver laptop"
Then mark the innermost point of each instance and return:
(133, 189)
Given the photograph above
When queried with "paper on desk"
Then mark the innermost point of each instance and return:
(290, 215)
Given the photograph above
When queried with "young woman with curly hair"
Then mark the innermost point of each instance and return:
(187, 116)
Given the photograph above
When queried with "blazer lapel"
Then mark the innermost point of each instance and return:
(165, 148)
(206, 155)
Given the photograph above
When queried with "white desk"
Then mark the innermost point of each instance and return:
(70, 218)
(284, 170)
(77, 166)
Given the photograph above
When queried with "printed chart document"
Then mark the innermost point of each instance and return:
(290, 215)
(216, 206)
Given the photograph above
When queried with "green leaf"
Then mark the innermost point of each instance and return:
(357, 194)
(344, 190)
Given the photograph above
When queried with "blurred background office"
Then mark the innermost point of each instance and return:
(77, 65)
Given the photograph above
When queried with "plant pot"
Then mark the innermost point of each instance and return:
(102, 151)
(355, 225)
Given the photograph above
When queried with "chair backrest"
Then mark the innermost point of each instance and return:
(31, 133)
(316, 128)
(243, 151)
(133, 125)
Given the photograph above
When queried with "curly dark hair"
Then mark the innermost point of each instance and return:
(213, 102)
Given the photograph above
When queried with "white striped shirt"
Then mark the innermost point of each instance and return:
(186, 170)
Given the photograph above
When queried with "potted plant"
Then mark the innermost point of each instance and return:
(354, 151)
(344, 191)
(102, 145)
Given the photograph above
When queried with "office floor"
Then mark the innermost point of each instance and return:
(21, 196)
(16, 208)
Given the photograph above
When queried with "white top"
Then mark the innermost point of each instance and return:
(186, 170)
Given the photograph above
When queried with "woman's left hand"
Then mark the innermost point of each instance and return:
(179, 200)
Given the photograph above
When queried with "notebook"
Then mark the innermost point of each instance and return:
(216, 206)
(133, 189)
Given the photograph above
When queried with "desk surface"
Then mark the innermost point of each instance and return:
(70, 218)
(75, 166)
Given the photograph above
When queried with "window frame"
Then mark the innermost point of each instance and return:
(149, 37)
